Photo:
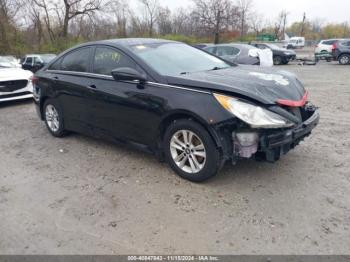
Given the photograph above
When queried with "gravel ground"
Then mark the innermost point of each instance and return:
(78, 195)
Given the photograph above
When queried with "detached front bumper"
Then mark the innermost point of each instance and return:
(273, 146)
(291, 57)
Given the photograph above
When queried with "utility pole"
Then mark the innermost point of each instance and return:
(242, 23)
(217, 28)
(303, 25)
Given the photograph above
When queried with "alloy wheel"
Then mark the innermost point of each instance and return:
(345, 60)
(188, 151)
(52, 118)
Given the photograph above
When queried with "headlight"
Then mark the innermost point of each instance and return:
(255, 116)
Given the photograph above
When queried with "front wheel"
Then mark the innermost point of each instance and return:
(191, 151)
(344, 59)
(277, 60)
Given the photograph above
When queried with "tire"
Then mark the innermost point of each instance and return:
(277, 60)
(344, 59)
(205, 161)
(53, 118)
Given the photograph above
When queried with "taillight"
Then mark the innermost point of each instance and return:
(334, 46)
(34, 80)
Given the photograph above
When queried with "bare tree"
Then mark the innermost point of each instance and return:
(151, 14)
(8, 13)
(257, 23)
(213, 15)
(280, 24)
(244, 9)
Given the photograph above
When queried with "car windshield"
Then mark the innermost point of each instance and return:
(175, 58)
(47, 58)
(4, 63)
(273, 46)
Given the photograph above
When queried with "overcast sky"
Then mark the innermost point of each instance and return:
(330, 10)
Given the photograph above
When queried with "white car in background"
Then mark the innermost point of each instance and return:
(15, 83)
(325, 46)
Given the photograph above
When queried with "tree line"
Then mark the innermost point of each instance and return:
(54, 25)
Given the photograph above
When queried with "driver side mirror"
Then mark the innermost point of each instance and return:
(128, 74)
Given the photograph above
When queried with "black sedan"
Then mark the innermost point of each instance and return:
(183, 104)
(281, 56)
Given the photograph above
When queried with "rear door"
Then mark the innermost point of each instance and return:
(70, 76)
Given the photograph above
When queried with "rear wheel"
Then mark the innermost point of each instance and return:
(344, 59)
(277, 60)
(190, 151)
(54, 118)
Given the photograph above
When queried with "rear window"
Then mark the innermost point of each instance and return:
(77, 61)
(345, 43)
(329, 42)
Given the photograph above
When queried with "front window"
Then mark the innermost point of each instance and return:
(107, 59)
(175, 58)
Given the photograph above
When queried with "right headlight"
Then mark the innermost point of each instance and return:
(255, 116)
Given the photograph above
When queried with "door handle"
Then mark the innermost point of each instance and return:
(92, 87)
(55, 77)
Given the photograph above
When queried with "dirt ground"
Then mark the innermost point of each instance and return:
(78, 195)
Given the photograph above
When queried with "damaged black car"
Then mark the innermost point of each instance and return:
(186, 106)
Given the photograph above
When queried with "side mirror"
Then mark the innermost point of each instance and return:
(128, 74)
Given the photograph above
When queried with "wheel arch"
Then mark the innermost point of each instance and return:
(183, 114)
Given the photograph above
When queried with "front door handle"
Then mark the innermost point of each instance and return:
(92, 87)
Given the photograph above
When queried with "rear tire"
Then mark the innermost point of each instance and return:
(53, 118)
(344, 59)
(191, 151)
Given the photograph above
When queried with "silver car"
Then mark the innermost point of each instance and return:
(234, 53)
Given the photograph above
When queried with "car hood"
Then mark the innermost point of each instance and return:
(8, 74)
(265, 85)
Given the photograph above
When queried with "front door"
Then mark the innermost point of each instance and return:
(122, 109)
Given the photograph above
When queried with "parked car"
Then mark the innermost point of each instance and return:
(202, 46)
(181, 103)
(325, 46)
(36, 62)
(341, 51)
(15, 83)
(13, 60)
(281, 56)
(234, 53)
(295, 43)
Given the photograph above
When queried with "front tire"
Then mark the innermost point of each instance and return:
(191, 151)
(277, 60)
(53, 117)
(344, 59)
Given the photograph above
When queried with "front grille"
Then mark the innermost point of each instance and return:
(10, 86)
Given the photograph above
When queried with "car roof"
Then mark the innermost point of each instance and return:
(127, 42)
(246, 46)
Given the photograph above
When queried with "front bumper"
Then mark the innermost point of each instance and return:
(291, 57)
(22, 93)
(273, 146)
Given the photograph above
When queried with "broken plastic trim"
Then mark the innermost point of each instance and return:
(292, 103)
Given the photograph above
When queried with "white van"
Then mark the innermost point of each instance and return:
(295, 42)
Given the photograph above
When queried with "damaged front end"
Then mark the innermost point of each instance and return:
(268, 140)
